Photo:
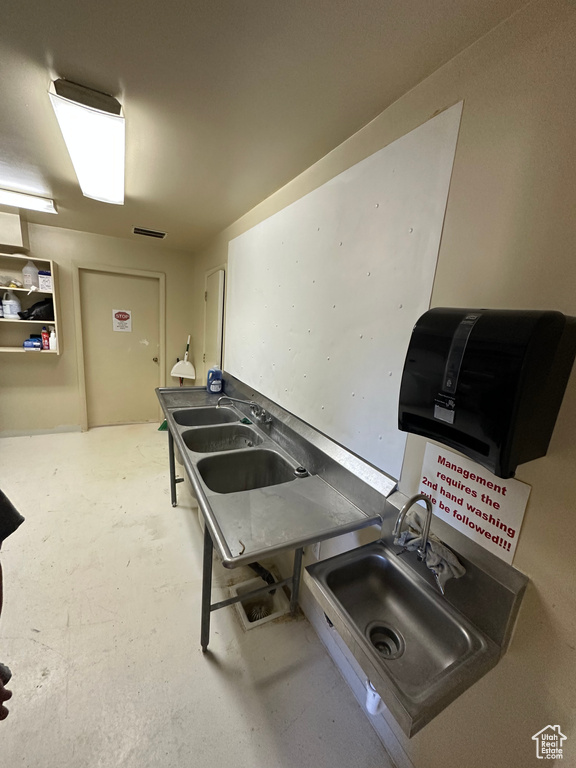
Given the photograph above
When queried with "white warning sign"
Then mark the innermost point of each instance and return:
(122, 320)
(480, 505)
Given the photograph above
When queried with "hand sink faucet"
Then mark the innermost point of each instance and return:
(438, 558)
(260, 415)
(426, 527)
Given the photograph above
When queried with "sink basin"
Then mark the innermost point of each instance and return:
(201, 417)
(412, 631)
(425, 652)
(227, 437)
(244, 471)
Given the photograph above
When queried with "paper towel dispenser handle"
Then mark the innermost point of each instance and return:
(456, 353)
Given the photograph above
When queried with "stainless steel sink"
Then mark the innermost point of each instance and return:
(225, 437)
(244, 470)
(201, 417)
(424, 650)
(411, 629)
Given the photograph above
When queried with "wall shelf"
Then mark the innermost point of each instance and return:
(21, 322)
(14, 332)
(33, 351)
(26, 290)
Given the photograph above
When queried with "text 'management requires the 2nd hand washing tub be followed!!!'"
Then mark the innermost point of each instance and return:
(480, 505)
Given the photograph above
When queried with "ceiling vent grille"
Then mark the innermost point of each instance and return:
(149, 232)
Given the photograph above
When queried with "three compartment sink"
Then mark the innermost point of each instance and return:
(244, 470)
(226, 437)
(426, 653)
(201, 417)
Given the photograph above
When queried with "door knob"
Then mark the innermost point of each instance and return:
(155, 359)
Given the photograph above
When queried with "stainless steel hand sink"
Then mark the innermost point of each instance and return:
(200, 417)
(424, 650)
(224, 437)
(244, 470)
(412, 630)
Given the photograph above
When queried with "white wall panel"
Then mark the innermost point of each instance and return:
(322, 296)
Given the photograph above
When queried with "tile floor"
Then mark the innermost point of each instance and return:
(101, 628)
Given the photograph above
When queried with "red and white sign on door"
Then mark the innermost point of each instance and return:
(122, 320)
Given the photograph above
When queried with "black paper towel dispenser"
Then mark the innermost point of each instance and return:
(487, 382)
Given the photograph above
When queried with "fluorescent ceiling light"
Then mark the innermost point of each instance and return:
(30, 202)
(93, 127)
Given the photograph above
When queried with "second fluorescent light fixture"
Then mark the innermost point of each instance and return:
(93, 127)
(24, 200)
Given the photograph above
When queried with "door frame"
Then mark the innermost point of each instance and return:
(208, 274)
(161, 277)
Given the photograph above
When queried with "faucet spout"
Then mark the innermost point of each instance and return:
(251, 403)
(438, 558)
(426, 527)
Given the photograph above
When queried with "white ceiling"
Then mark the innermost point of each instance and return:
(225, 100)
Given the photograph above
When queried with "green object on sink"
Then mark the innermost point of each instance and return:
(245, 421)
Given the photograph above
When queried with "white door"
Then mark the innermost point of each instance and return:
(213, 319)
(121, 340)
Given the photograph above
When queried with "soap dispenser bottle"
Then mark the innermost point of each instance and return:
(214, 380)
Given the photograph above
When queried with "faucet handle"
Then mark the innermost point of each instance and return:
(437, 579)
(260, 414)
(421, 551)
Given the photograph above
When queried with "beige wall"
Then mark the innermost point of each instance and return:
(509, 241)
(42, 393)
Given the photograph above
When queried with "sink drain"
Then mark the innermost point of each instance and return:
(388, 642)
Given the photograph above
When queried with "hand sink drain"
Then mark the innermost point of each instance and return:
(388, 642)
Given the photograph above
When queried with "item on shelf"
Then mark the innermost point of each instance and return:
(30, 275)
(33, 344)
(52, 341)
(42, 310)
(10, 282)
(45, 338)
(44, 280)
(11, 306)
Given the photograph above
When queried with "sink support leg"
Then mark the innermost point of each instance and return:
(172, 469)
(173, 478)
(206, 590)
(296, 580)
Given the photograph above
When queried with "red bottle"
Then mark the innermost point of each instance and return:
(45, 338)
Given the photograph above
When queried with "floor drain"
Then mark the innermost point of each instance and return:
(258, 608)
(255, 611)
(388, 642)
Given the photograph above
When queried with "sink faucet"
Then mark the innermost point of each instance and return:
(256, 410)
(426, 528)
(438, 558)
